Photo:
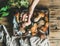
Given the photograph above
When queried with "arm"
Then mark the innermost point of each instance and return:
(31, 9)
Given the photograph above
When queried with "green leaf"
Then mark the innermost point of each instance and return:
(4, 8)
(19, 3)
(24, 3)
(5, 14)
